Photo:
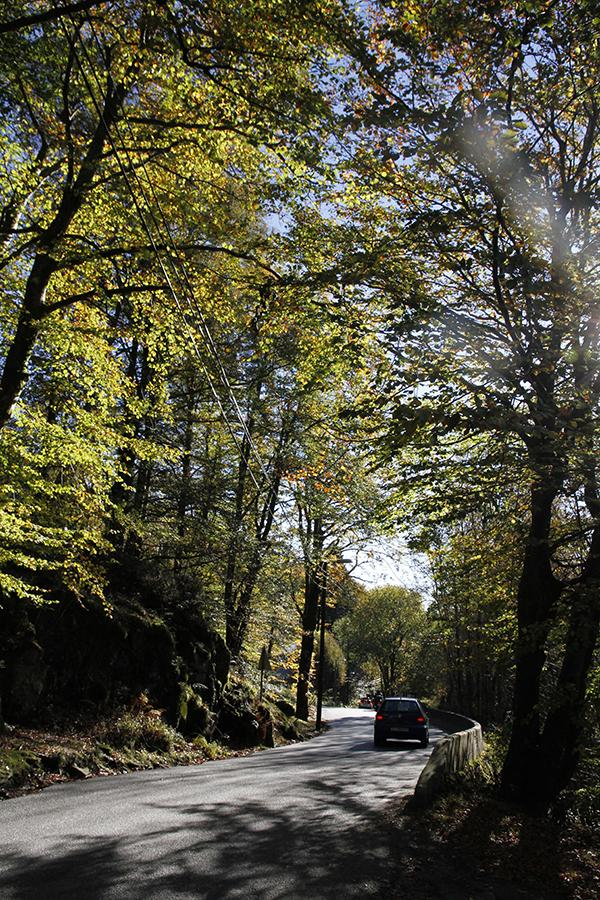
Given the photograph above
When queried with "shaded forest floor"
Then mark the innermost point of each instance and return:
(473, 846)
(34, 758)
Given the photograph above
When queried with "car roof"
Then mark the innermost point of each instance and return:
(402, 698)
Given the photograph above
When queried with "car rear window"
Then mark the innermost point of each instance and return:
(399, 706)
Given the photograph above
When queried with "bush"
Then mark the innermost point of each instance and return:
(210, 749)
(142, 728)
(491, 761)
(140, 732)
(483, 775)
(580, 802)
(583, 805)
(193, 716)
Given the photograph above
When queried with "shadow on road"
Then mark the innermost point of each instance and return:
(314, 821)
(257, 852)
(397, 746)
(88, 870)
(315, 828)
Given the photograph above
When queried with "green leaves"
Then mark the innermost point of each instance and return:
(53, 501)
(141, 147)
(384, 630)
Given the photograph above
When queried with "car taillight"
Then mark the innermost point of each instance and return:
(420, 720)
(379, 717)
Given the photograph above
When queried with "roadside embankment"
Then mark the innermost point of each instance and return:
(137, 738)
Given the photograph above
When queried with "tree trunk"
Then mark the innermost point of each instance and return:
(34, 309)
(183, 501)
(121, 489)
(144, 466)
(564, 727)
(239, 619)
(14, 373)
(537, 596)
(310, 614)
(240, 605)
(310, 617)
(229, 598)
(130, 490)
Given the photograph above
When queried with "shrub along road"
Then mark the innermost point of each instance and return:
(297, 821)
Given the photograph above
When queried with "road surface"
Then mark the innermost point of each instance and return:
(302, 821)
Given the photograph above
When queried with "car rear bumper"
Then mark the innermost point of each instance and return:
(402, 733)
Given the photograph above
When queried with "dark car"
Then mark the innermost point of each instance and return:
(403, 718)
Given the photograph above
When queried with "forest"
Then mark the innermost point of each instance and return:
(279, 281)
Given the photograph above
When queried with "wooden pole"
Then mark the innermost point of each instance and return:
(264, 666)
(318, 723)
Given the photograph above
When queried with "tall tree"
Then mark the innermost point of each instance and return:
(139, 160)
(483, 147)
(475, 565)
(337, 503)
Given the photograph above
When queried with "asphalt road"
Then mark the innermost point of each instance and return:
(302, 821)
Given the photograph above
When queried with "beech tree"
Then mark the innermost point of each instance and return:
(337, 503)
(142, 144)
(482, 143)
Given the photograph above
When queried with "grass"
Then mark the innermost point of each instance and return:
(132, 739)
(31, 759)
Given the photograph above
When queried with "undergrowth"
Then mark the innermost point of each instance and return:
(578, 805)
(494, 843)
(144, 730)
(132, 738)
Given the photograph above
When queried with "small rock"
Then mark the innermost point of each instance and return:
(79, 771)
(52, 762)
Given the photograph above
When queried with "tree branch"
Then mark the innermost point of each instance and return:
(48, 15)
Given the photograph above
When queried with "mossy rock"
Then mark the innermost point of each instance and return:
(289, 729)
(284, 706)
(16, 766)
(243, 721)
(75, 656)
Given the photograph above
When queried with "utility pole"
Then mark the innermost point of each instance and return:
(264, 666)
(323, 599)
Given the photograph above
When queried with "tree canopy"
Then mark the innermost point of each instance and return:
(277, 278)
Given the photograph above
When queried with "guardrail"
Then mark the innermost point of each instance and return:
(463, 743)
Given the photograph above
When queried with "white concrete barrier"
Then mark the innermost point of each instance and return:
(450, 755)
